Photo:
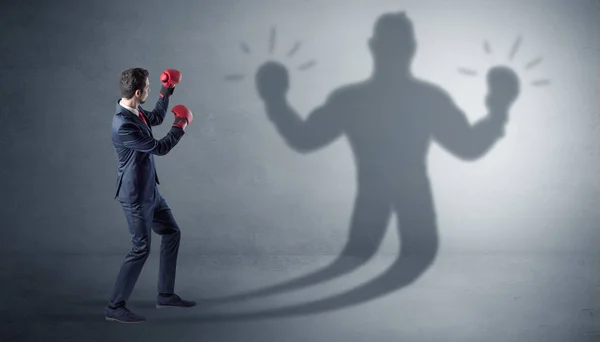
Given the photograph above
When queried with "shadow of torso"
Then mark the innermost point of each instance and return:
(389, 129)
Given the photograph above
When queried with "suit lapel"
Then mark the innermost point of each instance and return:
(126, 112)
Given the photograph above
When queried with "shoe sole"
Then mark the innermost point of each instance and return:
(159, 306)
(110, 319)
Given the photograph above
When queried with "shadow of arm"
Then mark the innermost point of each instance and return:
(320, 129)
(454, 133)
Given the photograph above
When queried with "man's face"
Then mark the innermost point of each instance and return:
(144, 94)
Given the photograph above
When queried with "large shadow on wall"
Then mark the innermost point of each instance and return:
(390, 120)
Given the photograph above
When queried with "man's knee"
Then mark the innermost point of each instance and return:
(170, 234)
(173, 232)
(140, 250)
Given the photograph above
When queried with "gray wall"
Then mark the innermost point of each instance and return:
(233, 183)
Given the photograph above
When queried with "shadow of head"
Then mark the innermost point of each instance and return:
(393, 43)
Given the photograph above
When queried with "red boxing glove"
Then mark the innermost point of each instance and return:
(169, 79)
(183, 116)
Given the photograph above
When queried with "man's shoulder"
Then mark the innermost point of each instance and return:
(119, 119)
(123, 114)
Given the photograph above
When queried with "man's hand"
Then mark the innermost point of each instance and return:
(169, 79)
(183, 116)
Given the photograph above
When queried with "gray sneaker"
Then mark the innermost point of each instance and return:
(122, 315)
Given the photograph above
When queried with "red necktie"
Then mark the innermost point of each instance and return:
(142, 117)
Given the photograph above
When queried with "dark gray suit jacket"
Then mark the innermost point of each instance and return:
(135, 147)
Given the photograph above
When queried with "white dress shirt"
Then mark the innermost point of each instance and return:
(133, 110)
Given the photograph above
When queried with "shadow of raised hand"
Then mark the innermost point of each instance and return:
(272, 82)
(503, 89)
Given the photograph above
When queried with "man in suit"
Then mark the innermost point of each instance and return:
(145, 209)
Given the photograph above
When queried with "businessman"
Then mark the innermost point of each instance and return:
(145, 209)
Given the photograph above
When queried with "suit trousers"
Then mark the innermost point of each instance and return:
(142, 218)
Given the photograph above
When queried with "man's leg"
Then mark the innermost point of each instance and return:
(164, 224)
(139, 219)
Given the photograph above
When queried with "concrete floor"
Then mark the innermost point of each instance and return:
(492, 298)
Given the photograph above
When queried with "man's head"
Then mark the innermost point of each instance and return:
(393, 43)
(135, 84)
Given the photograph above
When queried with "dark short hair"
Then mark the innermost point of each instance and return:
(131, 80)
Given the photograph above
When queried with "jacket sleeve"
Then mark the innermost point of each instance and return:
(134, 138)
(157, 115)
